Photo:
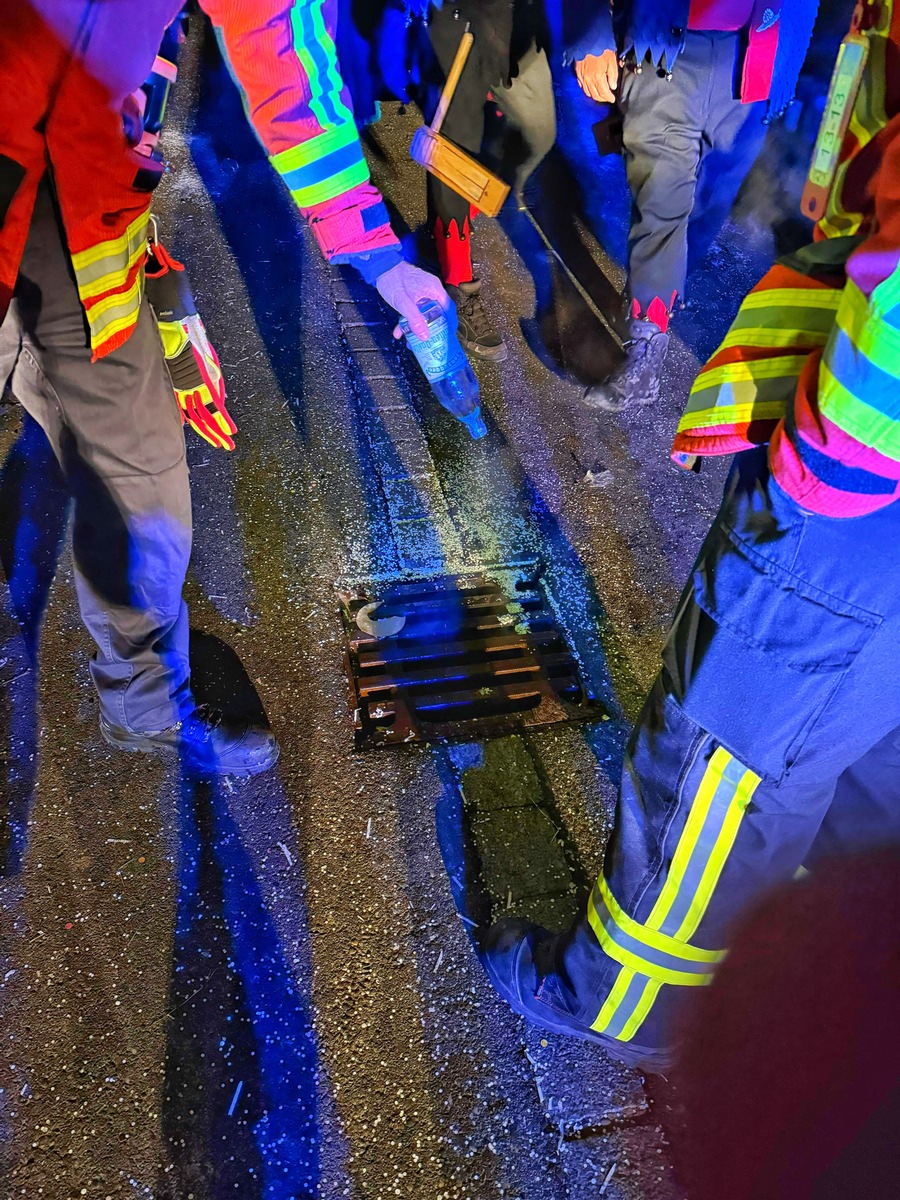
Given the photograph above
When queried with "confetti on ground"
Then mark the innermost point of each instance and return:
(237, 1094)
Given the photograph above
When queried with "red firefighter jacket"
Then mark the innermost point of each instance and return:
(67, 68)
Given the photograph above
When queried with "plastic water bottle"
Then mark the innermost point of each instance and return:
(446, 367)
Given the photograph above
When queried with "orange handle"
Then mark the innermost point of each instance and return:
(452, 80)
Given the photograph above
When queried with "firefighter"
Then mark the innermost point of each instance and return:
(696, 81)
(771, 737)
(81, 348)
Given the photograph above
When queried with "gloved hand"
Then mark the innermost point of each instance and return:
(192, 362)
(404, 287)
(197, 380)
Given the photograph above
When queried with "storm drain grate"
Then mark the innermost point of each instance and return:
(455, 659)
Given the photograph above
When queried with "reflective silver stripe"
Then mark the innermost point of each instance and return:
(107, 264)
(114, 314)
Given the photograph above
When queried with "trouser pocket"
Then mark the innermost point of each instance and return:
(756, 652)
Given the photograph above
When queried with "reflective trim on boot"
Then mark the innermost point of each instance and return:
(656, 311)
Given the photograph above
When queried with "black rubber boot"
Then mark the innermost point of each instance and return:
(205, 741)
(637, 380)
(476, 330)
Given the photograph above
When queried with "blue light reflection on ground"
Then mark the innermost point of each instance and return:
(241, 1111)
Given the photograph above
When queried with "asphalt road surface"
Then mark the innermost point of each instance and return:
(262, 989)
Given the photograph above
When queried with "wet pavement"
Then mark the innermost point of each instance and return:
(262, 989)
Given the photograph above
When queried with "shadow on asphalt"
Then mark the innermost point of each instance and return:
(258, 219)
(239, 1108)
(240, 1113)
(218, 679)
(34, 506)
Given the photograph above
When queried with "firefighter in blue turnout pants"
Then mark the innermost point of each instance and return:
(771, 738)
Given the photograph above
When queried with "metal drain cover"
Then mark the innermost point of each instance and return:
(471, 658)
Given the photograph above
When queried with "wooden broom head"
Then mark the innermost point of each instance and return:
(459, 171)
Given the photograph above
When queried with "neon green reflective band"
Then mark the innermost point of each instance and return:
(652, 938)
(780, 298)
(314, 148)
(776, 338)
(329, 188)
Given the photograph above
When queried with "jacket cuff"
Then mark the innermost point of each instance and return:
(595, 39)
(354, 223)
(373, 266)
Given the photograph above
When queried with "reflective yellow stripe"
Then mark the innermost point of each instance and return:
(872, 337)
(643, 1006)
(104, 268)
(614, 999)
(314, 148)
(868, 118)
(336, 185)
(719, 855)
(109, 304)
(766, 368)
(793, 298)
(732, 414)
(638, 963)
(119, 248)
(731, 784)
(316, 51)
(774, 337)
(712, 777)
(116, 275)
(685, 848)
(651, 937)
(113, 314)
(109, 331)
(857, 418)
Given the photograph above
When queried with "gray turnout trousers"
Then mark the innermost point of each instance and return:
(115, 428)
(689, 144)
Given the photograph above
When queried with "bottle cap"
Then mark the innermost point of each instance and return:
(474, 422)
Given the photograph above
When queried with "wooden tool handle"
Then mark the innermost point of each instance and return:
(452, 80)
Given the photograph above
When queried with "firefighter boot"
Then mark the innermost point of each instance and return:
(476, 329)
(528, 967)
(206, 742)
(636, 382)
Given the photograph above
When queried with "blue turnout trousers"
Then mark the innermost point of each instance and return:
(770, 740)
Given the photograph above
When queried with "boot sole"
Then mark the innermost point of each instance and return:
(172, 752)
(612, 407)
(495, 354)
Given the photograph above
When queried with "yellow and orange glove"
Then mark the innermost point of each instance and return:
(197, 380)
(192, 362)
